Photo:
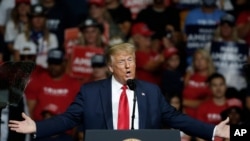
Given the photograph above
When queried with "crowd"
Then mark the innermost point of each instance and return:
(196, 51)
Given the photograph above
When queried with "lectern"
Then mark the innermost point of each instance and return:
(132, 135)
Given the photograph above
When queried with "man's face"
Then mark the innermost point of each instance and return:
(123, 66)
(56, 70)
(91, 34)
(38, 21)
(218, 87)
(173, 62)
(144, 41)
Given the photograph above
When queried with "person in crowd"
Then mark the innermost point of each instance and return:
(175, 100)
(53, 87)
(76, 11)
(239, 6)
(100, 70)
(210, 110)
(89, 44)
(243, 23)
(38, 35)
(195, 89)
(91, 33)
(6, 7)
(121, 16)
(98, 11)
(164, 18)
(97, 105)
(206, 14)
(200, 24)
(17, 23)
(56, 18)
(148, 62)
(229, 54)
(172, 79)
(235, 115)
(99, 67)
(176, 39)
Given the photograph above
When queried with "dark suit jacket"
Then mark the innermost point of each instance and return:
(93, 109)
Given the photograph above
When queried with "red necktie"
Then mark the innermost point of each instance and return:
(123, 111)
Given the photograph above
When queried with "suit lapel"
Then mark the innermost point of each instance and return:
(106, 99)
(142, 106)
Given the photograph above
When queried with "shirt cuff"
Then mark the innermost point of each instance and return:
(214, 132)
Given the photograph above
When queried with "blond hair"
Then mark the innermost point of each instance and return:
(208, 58)
(123, 47)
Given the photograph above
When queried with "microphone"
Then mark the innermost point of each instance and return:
(132, 86)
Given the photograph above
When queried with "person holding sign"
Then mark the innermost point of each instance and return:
(229, 53)
(91, 32)
(200, 25)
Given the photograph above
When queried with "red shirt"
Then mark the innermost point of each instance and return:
(51, 93)
(210, 112)
(142, 58)
(196, 89)
(244, 18)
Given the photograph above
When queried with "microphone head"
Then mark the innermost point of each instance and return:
(131, 84)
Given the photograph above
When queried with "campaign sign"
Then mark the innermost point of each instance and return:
(239, 132)
(198, 36)
(80, 65)
(229, 55)
(71, 38)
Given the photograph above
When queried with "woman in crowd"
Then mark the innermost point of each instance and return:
(38, 35)
(195, 88)
(17, 23)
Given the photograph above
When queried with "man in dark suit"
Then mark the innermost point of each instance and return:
(97, 105)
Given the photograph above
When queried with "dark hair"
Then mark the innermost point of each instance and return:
(170, 97)
(214, 76)
(225, 113)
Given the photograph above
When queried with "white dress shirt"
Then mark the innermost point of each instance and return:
(116, 89)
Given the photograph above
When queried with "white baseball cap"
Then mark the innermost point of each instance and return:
(28, 49)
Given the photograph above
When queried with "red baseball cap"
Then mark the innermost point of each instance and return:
(168, 52)
(97, 2)
(142, 29)
(234, 102)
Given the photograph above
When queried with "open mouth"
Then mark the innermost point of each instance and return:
(128, 73)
